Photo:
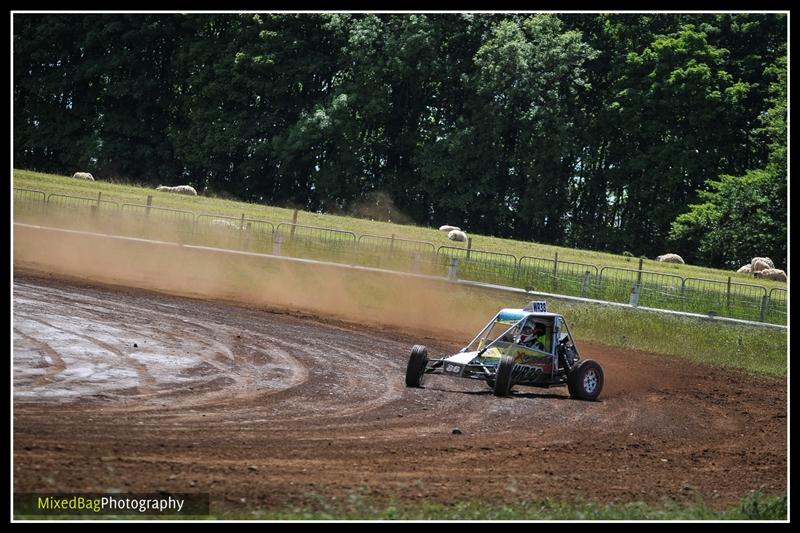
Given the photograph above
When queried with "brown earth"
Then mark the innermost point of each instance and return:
(263, 409)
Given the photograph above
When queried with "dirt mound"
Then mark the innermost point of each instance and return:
(134, 391)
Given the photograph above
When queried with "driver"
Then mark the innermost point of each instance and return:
(533, 335)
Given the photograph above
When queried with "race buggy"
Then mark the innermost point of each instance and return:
(503, 356)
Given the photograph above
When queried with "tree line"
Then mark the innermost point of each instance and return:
(619, 132)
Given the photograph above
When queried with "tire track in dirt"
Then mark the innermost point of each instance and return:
(211, 333)
(144, 375)
(54, 367)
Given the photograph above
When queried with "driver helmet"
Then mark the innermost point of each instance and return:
(527, 333)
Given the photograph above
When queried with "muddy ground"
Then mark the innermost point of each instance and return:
(119, 389)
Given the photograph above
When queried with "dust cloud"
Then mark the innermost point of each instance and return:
(356, 296)
(378, 205)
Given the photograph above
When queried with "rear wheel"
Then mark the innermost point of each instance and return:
(502, 383)
(417, 363)
(585, 380)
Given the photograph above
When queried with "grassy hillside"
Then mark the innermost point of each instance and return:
(124, 193)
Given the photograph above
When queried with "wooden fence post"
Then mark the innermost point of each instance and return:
(294, 221)
(555, 272)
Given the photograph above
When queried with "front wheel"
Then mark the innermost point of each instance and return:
(585, 380)
(502, 381)
(417, 363)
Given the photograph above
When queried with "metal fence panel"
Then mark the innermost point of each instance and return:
(735, 300)
(80, 202)
(315, 242)
(162, 213)
(81, 212)
(550, 275)
(535, 273)
(480, 265)
(157, 222)
(777, 306)
(244, 233)
(395, 245)
(574, 278)
(29, 202)
(616, 285)
(414, 262)
(656, 289)
(392, 253)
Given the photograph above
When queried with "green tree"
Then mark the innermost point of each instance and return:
(523, 121)
(676, 105)
(217, 107)
(128, 60)
(744, 216)
(598, 195)
(54, 104)
(94, 92)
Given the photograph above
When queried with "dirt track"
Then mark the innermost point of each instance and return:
(128, 390)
